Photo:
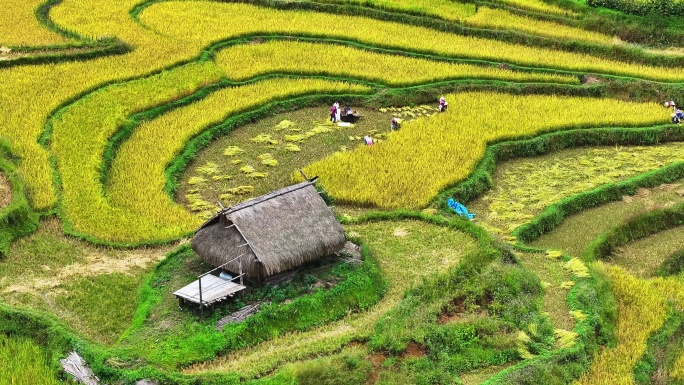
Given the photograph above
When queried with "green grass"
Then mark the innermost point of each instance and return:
(507, 293)
(672, 265)
(576, 232)
(24, 363)
(103, 305)
(424, 250)
(314, 148)
(96, 290)
(171, 338)
(92, 289)
(195, 339)
(166, 320)
(552, 275)
(477, 376)
(664, 347)
(410, 250)
(47, 247)
(524, 187)
(401, 247)
(643, 257)
(348, 367)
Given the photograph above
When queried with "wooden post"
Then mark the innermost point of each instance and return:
(240, 261)
(260, 277)
(303, 175)
(200, 293)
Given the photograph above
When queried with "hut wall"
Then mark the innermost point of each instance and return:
(217, 245)
(285, 229)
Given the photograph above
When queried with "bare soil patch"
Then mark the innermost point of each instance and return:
(414, 350)
(446, 318)
(458, 311)
(376, 360)
(453, 311)
(5, 190)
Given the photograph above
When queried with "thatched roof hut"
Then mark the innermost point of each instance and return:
(273, 232)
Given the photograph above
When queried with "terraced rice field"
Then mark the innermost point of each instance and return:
(126, 124)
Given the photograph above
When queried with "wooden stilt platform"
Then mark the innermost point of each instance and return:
(207, 290)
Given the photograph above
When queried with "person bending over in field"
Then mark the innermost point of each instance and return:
(677, 116)
(368, 140)
(394, 124)
(333, 113)
(443, 105)
(669, 104)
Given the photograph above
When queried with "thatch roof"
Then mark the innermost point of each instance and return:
(283, 229)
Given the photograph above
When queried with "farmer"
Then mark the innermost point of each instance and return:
(394, 124)
(368, 140)
(677, 116)
(337, 111)
(443, 105)
(671, 103)
(333, 113)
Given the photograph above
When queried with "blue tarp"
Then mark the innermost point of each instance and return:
(459, 209)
